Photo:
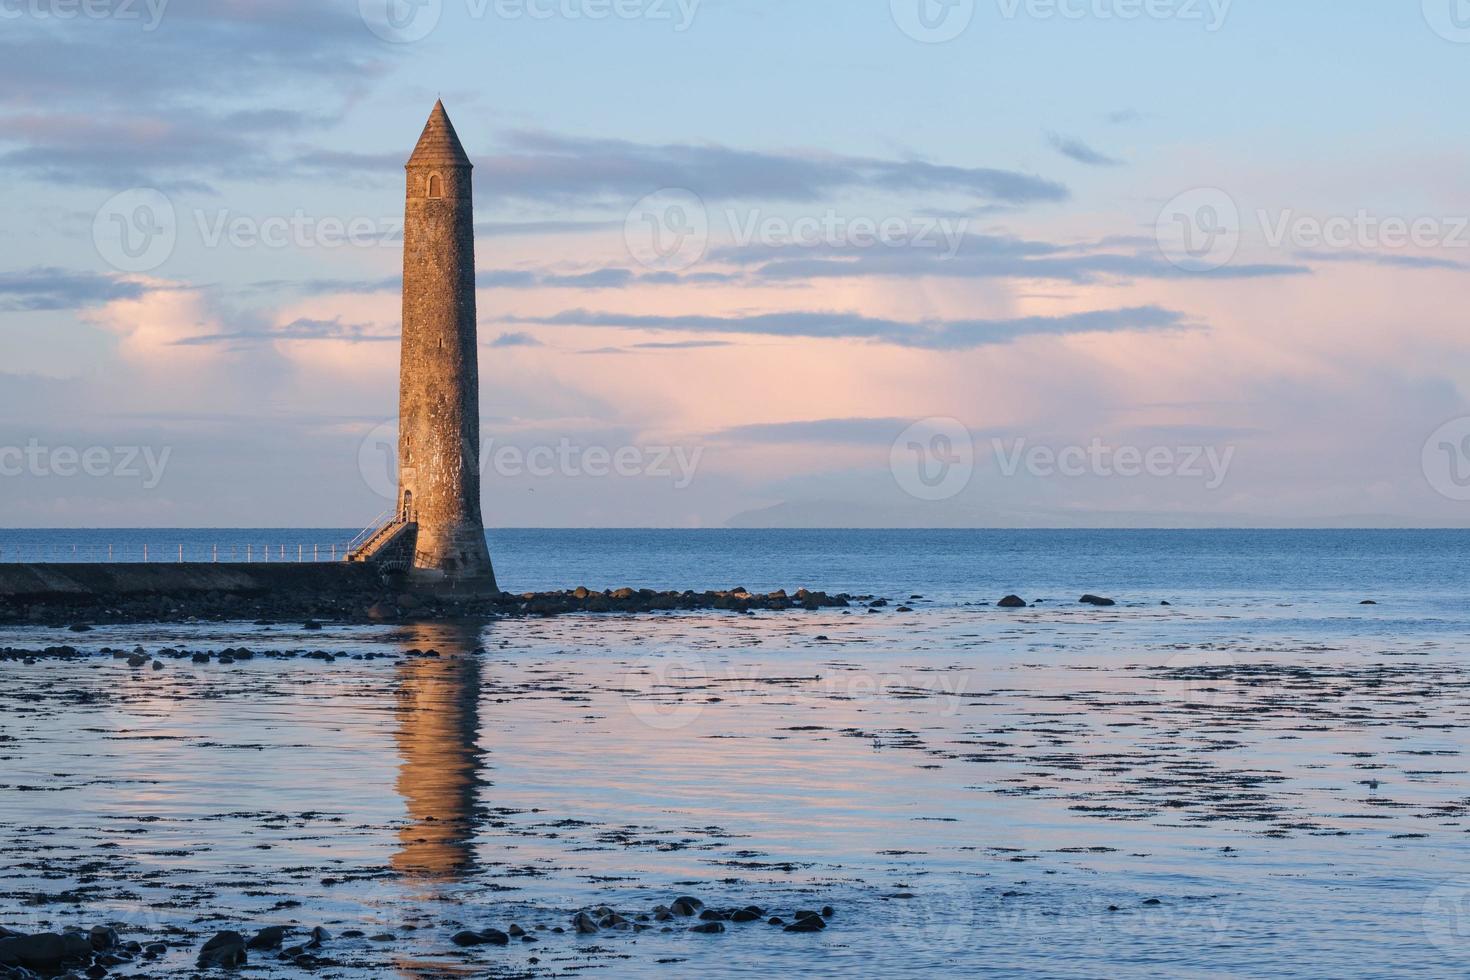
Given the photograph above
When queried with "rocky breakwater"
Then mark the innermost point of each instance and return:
(377, 600)
(626, 600)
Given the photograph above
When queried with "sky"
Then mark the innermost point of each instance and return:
(746, 263)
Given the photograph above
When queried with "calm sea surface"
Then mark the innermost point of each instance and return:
(957, 564)
(1262, 777)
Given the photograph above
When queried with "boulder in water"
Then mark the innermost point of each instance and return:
(225, 949)
(45, 951)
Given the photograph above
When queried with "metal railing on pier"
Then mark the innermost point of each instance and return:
(249, 552)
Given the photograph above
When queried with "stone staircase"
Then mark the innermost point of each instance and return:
(390, 545)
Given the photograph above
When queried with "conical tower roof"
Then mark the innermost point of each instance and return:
(439, 145)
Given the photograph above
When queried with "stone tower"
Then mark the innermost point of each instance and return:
(439, 401)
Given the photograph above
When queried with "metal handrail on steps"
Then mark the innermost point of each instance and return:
(371, 531)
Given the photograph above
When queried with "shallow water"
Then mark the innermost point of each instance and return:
(974, 790)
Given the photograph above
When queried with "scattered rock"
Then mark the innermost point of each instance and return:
(268, 938)
(45, 951)
(686, 906)
(1012, 602)
(807, 922)
(225, 949)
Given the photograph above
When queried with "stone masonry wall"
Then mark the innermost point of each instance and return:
(439, 412)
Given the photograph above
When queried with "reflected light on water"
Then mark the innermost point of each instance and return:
(438, 745)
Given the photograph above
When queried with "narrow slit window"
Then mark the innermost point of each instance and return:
(436, 186)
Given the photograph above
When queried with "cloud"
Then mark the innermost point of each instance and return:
(514, 229)
(1079, 151)
(181, 149)
(168, 105)
(50, 288)
(515, 340)
(604, 278)
(197, 47)
(927, 335)
(552, 168)
(299, 329)
(1120, 117)
(674, 345)
(1391, 261)
(608, 277)
(682, 344)
(981, 256)
(973, 256)
(845, 431)
(326, 287)
(156, 326)
(506, 279)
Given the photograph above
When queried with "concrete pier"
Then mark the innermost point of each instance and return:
(27, 582)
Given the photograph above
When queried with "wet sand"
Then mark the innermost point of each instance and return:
(1054, 791)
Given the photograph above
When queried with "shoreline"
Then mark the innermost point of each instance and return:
(1079, 775)
(390, 603)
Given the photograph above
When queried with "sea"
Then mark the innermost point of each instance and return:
(1254, 763)
(1415, 565)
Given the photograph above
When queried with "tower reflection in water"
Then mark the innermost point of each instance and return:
(438, 736)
